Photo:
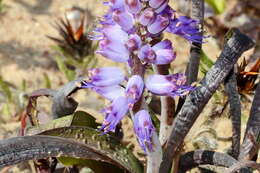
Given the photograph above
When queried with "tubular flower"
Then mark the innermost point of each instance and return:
(171, 85)
(134, 89)
(114, 113)
(160, 23)
(161, 53)
(117, 44)
(106, 76)
(144, 129)
(110, 92)
(185, 27)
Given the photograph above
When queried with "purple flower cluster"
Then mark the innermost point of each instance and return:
(127, 31)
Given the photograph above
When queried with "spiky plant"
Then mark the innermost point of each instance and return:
(73, 30)
(246, 80)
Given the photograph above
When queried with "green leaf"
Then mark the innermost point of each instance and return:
(47, 81)
(206, 60)
(81, 118)
(105, 145)
(218, 5)
(205, 63)
(70, 74)
(5, 88)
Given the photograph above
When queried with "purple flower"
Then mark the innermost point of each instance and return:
(160, 23)
(144, 129)
(157, 3)
(134, 89)
(161, 53)
(147, 16)
(163, 7)
(171, 85)
(114, 113)
(133, 43)
(185, 27)
(117, 44)
(133, 6)
(110, 92)
(101, 77)
(124, 19)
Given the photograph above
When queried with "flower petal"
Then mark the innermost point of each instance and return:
(161, 22)
(124, 19)
(110, 92)
(134, 88)
(146, 53)
(114, 113)
(133, 6)
(105, 76)
(147, 17)
(156, 3)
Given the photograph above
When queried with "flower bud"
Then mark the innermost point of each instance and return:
(124, 19)
(161, 53)
(134, 89)
(147, 16)
(144, 129)
(133, 6)
(161, 22)
(133, 43)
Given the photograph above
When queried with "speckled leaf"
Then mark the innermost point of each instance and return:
(103, 144)
(79, 118)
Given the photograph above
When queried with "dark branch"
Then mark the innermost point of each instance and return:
(235, 111)
(192, 69)
(204, 157)
(252, 129)
(234, 46)
(241, 165)
(197, 13)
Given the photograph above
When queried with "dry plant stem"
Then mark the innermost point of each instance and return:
(243, 164)
(192, 69)
(205, 157)
(235, 111)
(167, 108)
(138, 69)
(154, 158)
(235, 44)
(197, 13)
(253, 127)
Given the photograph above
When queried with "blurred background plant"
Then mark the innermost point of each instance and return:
(76, 50)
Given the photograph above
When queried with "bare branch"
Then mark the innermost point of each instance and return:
(235, 111)
(253, 127)
(241, 165)
(205, 157)
(234, 46)
(197, 13)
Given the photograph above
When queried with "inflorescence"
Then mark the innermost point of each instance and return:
(133, 29)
